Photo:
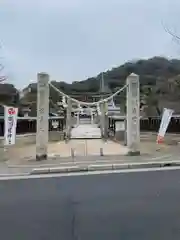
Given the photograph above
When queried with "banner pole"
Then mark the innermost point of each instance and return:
(10, 124)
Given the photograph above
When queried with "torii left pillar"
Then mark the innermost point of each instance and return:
(42, 124)
(68, 119)
(133, 115)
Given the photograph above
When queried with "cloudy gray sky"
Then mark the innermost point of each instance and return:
(76, 39)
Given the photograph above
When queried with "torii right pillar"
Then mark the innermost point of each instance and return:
(133, 115)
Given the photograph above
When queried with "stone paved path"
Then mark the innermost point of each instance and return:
(87, 131)
(25, 149)
(80, 147)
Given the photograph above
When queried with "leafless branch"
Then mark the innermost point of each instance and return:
(2, 78)
(171, 33)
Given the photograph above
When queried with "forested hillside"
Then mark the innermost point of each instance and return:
(159, 81)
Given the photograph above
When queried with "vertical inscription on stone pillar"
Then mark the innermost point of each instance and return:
(133, 130)
(68, 119)
(102, 118)
(42, 116)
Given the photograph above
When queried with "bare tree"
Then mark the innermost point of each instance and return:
(172, 33)
(2, 78)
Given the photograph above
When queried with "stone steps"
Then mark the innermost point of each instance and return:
(86, 131)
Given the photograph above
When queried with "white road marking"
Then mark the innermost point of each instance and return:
(5, 178)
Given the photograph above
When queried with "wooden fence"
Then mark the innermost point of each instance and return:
(28, 125)
(151, 124)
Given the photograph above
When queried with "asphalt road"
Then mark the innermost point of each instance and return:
(141, 205)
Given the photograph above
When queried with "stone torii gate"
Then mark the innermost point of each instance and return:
(132, 115)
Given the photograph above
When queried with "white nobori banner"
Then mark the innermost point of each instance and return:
(10, 123)
(166, 117)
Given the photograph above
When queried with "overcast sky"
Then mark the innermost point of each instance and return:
(76, 39)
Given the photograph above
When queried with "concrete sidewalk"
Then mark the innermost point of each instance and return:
(92, 163)
(25, 149)
(21, 159)
(78, 148)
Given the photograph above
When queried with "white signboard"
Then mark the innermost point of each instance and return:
(10, 123)
(167, 114)
(120, 126)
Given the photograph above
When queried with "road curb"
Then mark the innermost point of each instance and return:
(14, 174)
(104, 167)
